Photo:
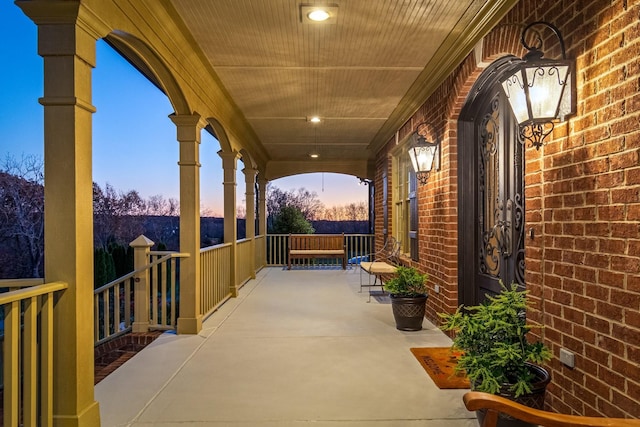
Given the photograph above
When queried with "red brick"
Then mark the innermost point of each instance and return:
(629, 300)
(622, 401)
(609, 311)
(585, 244)
(630, 336)
(633, 176)
(629, 368)
(609, 410)
(597, 197)
(611, 278)
(611, 213)
(624, 160)
(625, 230)
(597, 260)
(625, 195)
(612, 246)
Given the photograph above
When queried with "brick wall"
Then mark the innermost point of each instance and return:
(582, 194)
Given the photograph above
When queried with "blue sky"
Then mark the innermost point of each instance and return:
(134, 142)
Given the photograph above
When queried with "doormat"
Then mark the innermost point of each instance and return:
(440, 363)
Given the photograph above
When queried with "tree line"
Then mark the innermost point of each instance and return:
(119, 217)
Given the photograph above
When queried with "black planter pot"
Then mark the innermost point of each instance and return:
(535, 399)
(408, 312)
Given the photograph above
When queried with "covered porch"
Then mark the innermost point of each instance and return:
(294, 348)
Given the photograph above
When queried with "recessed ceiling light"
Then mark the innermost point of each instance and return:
(314, 155)
(313, 119)
(318, 15)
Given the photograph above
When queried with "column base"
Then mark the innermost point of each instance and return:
(90, 417)
(189, 325)
(140, 327)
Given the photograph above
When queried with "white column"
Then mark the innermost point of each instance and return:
(229, 165)
(262, 212)
(67, 42)
(262, 205)
(189, 127)
(250, 217)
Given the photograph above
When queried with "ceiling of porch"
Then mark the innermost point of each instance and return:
(364, 72)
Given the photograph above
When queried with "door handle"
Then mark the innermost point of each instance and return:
(506, 229)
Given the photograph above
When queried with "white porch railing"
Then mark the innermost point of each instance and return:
(114, 302)
(28, 351)
(260, 252)
(215, 277)
(357, 245)
(246, 261)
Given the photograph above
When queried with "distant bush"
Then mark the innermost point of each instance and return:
(291, 220)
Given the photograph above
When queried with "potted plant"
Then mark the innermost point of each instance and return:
(408, 292)
(496, 354)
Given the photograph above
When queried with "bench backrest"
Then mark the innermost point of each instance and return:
(389, 253)
(316, 241)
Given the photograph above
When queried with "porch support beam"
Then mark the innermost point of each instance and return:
(67, 35)
(229, 165)
(189, 127)
(250, 215)
(262, 210)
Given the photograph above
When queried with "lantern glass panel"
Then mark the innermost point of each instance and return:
(514, 90)
(545, 84)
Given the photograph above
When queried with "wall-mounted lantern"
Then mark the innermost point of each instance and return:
(541, 90)
(424, 153)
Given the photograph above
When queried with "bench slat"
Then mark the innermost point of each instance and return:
(302, 246)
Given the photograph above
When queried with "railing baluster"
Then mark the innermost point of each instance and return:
(107, 315)
(29, 362)
(127, 303)
(163, 297)
(96, 317)
(116, 308)
(46, 361)
(154, 295)
(173, 292)
(11, 369)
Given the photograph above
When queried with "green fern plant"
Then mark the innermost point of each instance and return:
(493, 339)
(407, 282)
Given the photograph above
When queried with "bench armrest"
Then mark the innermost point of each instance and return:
(495, 404)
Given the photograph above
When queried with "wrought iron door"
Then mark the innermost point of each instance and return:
(500, 223)
(491, 231)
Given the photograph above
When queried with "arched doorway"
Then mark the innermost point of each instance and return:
(491, 190)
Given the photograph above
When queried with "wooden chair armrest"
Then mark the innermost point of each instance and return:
(474, 401)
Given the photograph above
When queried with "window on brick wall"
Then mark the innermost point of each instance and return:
(405, 204)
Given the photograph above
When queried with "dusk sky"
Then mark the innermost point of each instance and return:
(134, 142)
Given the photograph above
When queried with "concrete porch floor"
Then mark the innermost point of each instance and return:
(299, 347)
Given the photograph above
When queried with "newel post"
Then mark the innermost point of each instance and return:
(141, 249)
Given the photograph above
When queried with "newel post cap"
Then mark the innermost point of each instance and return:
(142, 241)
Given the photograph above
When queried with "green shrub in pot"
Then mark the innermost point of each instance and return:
(497, 354)
(407, 282)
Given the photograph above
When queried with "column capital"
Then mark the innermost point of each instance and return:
(234, 155)
(229, 160)
(194, 119)
(63, 12)
(188, 126)
(250, 175)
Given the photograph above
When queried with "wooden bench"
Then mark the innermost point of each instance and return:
(305, 246)
(494, 405)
